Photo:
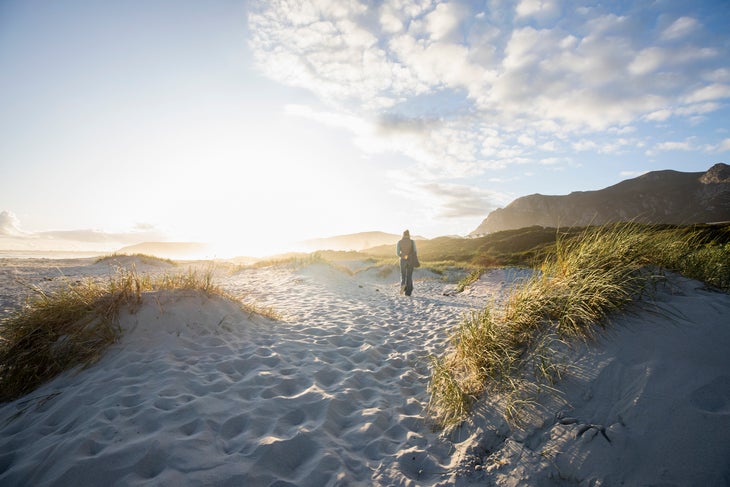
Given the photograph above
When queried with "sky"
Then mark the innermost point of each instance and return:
(252, 124)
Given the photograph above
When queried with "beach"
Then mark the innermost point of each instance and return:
(333, 390)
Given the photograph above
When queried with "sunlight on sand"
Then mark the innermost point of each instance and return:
(200, 392)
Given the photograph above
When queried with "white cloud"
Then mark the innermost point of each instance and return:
(526, 140)
(680, 28)
(12, 237)
(648, 60)
(10, 225)
(389, 20)
(460, 201)
(435, 65)
(673, 146)
(697, 109)
(549, 146)
(521, 71)
(591, 81)
(551, 161)
(306, 45)
(712, 92)
(536, 8)
(659, 115)
(443, 20)
(626, 129)
(691, 111)
(724, 146)
(584, 145)
(720, 75)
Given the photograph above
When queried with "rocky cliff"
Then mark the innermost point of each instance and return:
(655, 197)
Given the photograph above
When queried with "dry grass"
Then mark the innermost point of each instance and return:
(515, 347)
(473, 277)
(293, 261)
(73, 325)
(143, 258)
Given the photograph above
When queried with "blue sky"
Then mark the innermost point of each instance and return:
(252, 124)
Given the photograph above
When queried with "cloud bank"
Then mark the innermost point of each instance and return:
(463, 87)
(13, 237)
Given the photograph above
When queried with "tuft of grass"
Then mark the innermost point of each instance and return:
(254, 308)
(449, 401)
(72, 326)
(470, 279)
(572, 293)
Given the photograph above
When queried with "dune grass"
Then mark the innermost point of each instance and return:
(72, 326)
(293, 261)
(473, 277)
(514, 346)
(143, 258)
(700, 254)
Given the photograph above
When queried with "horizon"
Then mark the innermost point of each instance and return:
(188, 250)
(252, 125)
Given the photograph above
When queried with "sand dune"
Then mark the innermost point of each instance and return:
(199, 392)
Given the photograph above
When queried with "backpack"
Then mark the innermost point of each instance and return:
(406, 247)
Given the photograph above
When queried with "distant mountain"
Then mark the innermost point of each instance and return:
(655, 197)
(353, 241)
(169, 250)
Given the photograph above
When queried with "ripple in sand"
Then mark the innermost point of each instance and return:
(234, 426)
(286, 456)
(713, 397)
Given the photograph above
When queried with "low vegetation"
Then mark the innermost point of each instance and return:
(291, 260)
(142, 258)
(511, 247)
(74, 324)
(470, 279)
(514, 348)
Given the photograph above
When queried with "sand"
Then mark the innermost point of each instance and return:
(199, 392)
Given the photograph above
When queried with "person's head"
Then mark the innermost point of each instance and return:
(406, 234)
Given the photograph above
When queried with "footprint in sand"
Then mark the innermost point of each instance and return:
(713, 397)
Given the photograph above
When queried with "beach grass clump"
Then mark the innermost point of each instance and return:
(473, 277)
(696, 253)
(54, 332)
(73, 325)
(575, 289)
(450, 400)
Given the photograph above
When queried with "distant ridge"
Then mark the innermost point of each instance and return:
(656, 197)
(352, 241)
(168, 250)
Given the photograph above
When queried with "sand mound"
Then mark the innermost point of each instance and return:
(141, 263)
(649, 404)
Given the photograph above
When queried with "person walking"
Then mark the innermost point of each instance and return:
(406, 250)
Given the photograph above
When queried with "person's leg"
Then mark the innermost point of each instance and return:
(403, 275)
(409, 279)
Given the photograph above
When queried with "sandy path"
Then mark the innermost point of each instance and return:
(198, 393)
(365, 348)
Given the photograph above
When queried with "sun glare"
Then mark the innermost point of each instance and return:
(230, 248)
